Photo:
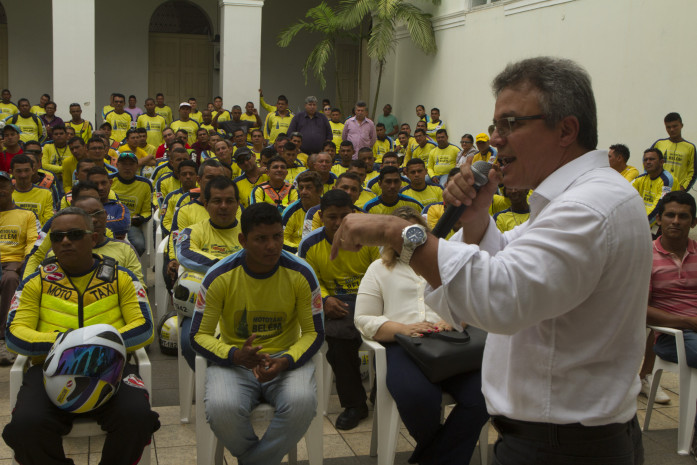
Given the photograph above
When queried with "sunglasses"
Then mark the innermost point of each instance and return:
(72, 235)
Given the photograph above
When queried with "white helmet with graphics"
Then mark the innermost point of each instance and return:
(84, 368)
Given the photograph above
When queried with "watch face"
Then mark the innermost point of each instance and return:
(415, 235)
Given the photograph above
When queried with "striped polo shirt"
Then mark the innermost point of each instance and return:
(673, 284)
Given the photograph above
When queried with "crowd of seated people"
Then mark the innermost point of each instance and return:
(205, 174)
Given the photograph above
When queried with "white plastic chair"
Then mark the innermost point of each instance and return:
(161, 295)
(83, 427)
(688, 390)
(209, 450)
(386, 416)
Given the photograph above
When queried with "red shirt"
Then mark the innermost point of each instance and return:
(6, 159)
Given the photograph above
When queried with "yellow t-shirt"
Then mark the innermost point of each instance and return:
(293, 220)
(381, 147)
(154, 125)
(196, 117)
(341, 275)
(165, 112)
(276, 124)
(630, 173)
(37, 110)
(83, 130)
(136, 194)
(680, 161)
(284, 310)
(224, 115)
(441, 161)
(508, 219)
(52, 158)
(37, 200)
(431, 193)
(376, 205)
(337, 131)
(119, 124)
(245, 187)
(7, 109)
(190, 127)
(653, 190)
(19, 230)
(421, 152)
(32, 128)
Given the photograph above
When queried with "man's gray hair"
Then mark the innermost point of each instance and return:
(75, 211)
(210, 162)
(311, 99)
(565, 90)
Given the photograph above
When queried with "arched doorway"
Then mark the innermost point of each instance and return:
(180, 53)
(3, 48)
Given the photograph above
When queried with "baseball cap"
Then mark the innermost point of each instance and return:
(185, 104)
(12, 126)
(482, 137)
(242, 154)
(6, 175)
(131, 155)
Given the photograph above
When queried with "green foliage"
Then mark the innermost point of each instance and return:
(324, 21)
(386, 15)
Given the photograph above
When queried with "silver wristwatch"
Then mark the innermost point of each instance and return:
(412, 237)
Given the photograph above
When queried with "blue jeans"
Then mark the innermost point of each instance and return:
(233, 392)
(137, 239)
(666, 349)
(187, 350)
(419, 403)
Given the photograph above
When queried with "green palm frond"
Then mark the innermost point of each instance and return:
(419, 27)
(286, 36)
(318, 60)
(352, 12)
(382, 39)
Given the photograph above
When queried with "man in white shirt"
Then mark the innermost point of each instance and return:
(565, 319)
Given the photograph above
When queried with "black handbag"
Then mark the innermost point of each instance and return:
(447, 353)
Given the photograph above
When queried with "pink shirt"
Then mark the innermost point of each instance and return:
(360, 134)
(673, 286)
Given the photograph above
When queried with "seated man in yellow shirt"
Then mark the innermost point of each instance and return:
(19, 230)
(339, 280)
(618, 156)
(202, 245)
(28, 196)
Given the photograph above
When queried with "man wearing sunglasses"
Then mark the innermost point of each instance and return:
(58, 297)
(121, 251)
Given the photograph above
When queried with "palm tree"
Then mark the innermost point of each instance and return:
(324, 21)
(386, 15)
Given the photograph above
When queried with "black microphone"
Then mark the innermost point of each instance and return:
(480, 170)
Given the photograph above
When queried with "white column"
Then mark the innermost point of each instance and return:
(73, 57)
(240, 51)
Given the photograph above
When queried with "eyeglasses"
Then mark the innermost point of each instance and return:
(505, 126)
(72, 235)
(97, 213)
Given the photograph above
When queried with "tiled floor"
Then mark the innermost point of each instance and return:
(175, 442)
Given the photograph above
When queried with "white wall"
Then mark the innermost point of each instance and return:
(636, 51)
(30, 50)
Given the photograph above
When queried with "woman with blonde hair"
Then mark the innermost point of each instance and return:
(391, 301)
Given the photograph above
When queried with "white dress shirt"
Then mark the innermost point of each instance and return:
(395, 294)
(563, 296)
